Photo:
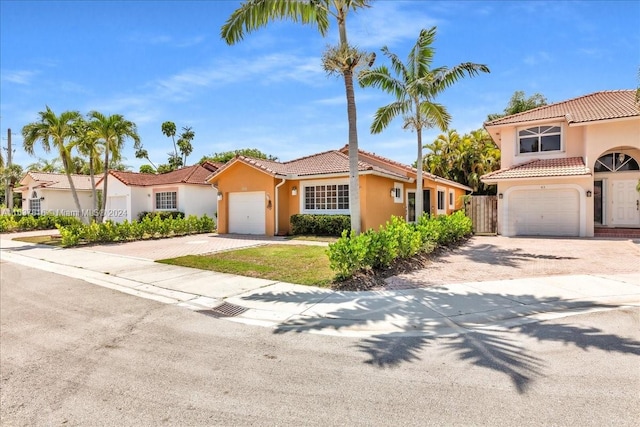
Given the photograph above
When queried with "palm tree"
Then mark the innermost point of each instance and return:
(415, 89)
(111, 132)
(254, 14)
(87, 144)
(44, 165)
(57, 132)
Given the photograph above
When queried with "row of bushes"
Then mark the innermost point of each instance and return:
(10, 223)
(320, 225)
(372, 249)
(161, 214)
(150, 227)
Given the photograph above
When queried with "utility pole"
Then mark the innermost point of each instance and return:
(9, 185)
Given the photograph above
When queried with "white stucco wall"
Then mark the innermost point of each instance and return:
(198, 200)
(116, 188)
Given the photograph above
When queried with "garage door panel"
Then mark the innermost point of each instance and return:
(247, 213)
(544, 212)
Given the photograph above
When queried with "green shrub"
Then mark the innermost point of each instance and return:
(320, 225)
(27, 223)
(162, 214)
(8, 223)
(395, 240)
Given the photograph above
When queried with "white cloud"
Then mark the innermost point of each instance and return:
(21, 77)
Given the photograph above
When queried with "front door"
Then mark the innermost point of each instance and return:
(411, 204)
(625, 203)
(597, 202)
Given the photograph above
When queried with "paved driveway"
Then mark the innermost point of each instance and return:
(486, 258)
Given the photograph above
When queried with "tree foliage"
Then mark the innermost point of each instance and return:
(519, 103)
(415, 84)
(225, 156)
(464, 159)
(182, 148)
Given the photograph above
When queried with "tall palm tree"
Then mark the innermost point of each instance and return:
(45, 165)
(254, 14)
(415, 87)
(57, 132)
(87, 144)
(111, 132)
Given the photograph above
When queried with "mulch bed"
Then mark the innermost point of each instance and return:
(370, 280)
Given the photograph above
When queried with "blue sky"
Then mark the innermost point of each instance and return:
(154, 61)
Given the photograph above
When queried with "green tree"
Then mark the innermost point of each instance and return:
(10, 175)
(88, 145)
(181, 149)
(111, 132)
(147, 169)
(225, 156)
(415, 86)
(519, 103)
(254, 14)
(464, 159)
(46, 165)
(57, 132)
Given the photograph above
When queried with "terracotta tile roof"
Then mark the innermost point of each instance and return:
(613, 104)
(325, 163)
(59, 180)
(568, 166)
(196, 174)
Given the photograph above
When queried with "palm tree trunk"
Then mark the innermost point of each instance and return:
(105, 182)
(419, 190)
(74, 193)
(94, 193)
(354, 181)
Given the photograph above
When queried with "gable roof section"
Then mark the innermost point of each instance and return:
(196, 174)
(331, 162)
(606, 105)
(546, 168)
(57, 181)
(334, 162)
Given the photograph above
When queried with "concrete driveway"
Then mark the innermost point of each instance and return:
(487, 258)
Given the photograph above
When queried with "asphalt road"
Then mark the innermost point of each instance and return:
(72, 353)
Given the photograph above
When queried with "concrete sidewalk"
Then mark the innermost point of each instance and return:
(436, 310)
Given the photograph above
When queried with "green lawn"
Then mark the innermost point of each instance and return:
(42, 240)
(300, 264)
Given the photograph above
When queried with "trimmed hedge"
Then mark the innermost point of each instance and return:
(161, 214)
(151, 227)
(398, 239)
(320, 225)
(10, 223)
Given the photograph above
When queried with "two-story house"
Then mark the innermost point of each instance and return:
(569, 167)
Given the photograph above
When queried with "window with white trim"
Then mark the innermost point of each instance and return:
(441, 199)
(452, 196)
(540, 139)
(166, 201)
(398, 191)
(329, 197)
(34, 204)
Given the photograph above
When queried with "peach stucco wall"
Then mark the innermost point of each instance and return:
(376, 204)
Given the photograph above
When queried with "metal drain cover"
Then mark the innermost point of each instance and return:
(224, 310)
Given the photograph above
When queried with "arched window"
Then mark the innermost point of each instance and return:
(34, 195)
(616, 162)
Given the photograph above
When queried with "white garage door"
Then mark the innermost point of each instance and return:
(247, 213)
(544, 212)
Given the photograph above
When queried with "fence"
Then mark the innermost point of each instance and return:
(483, 211)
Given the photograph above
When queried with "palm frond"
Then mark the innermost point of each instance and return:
(384, 115)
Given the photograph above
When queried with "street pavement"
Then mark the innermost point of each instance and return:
(444, 309)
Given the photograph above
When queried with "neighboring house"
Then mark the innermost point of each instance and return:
(259, 196)
(44, 192)
(569, 167)
(184, 190)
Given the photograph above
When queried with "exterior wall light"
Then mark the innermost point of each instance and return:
(42, 198)
(500, 196)
(294, 191)
(220, 196)
(589, 193)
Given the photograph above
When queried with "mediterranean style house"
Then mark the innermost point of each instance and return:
(569, 167)
(183, 190)
(44, 192)
(257, 196)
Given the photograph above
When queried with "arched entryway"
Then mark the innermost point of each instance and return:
(616, 200)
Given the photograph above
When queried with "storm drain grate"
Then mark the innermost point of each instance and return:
(224, 310)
